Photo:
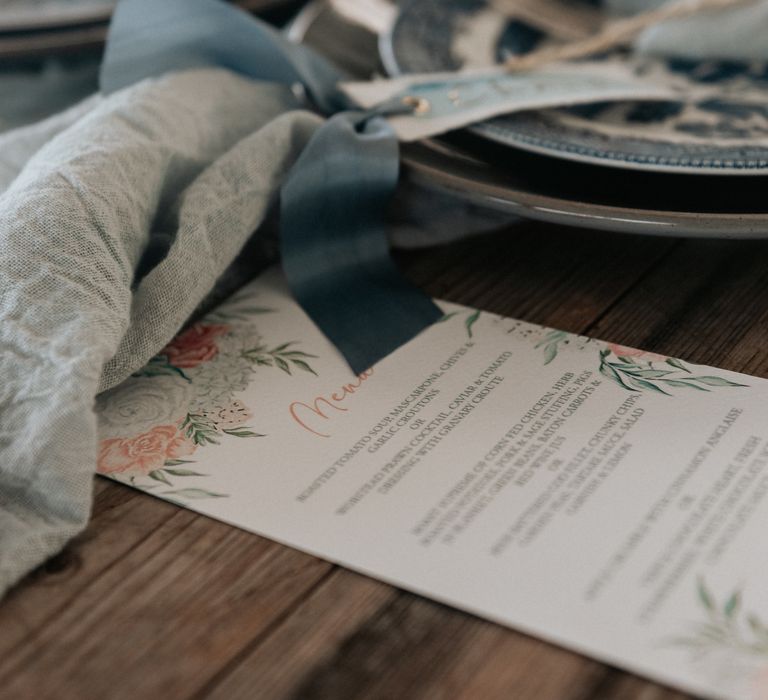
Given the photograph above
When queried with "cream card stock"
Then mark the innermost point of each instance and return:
(606, 499)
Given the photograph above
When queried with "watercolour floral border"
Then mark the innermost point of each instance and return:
(637, 370)
(729, 641)
(727, 626)
(185, 399)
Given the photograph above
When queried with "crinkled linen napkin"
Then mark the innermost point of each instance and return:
(193, 158)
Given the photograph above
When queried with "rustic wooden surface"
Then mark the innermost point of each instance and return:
(156, 602)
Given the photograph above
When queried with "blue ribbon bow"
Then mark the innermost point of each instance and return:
(333, 242)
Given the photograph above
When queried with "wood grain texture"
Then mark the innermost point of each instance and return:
(157, 602)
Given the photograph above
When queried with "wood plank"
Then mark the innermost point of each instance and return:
(392, 644)
(620, 686)
(538, 272)
(315, 635)
(121, 519)
(180, 605)
(705, 302)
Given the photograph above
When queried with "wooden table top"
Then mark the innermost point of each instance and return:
(155, 601)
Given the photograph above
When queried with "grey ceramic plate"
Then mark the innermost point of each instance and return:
(595, 203)
(529, 185)
(721, 129)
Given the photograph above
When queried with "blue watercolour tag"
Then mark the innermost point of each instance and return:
(440, 102)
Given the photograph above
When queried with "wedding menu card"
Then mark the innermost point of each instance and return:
(606, 499)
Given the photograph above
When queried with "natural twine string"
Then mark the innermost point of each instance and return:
(617, 33)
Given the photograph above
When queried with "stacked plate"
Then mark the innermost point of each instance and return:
(694, 166)
(50, 53)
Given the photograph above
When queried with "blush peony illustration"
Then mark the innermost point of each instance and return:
(195, 345)
(184, 399)
(145, 453)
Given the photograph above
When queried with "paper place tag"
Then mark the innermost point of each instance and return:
(445, 101)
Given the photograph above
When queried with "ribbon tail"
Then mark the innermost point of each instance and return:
(334, 246)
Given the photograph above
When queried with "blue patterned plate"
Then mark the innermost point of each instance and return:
(722, 128)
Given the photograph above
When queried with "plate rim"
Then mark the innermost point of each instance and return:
(427, 160)
(608, 159)
(30, 20)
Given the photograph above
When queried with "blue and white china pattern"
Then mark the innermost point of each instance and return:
(720, 126)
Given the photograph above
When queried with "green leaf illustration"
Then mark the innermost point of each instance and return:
(724, 629)
(283, 365)
(194, 493)
(607, 370)
(636, 376)
(241, 433)
(643, 384)
(732, 604)
(678, 364)
(551, 344)
(471, 321)
(283, 357)
(716, 381)
(184, 472)
(200, 430)
(175, 462)
(648, 373)
(683, 384)
(705, 597)
(158, 475)
(303, 366)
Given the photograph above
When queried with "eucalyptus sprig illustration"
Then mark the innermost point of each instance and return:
(472, 318)
(727, 626)
(660, 377)
(200, 429)
(551, 344)
(283, 357)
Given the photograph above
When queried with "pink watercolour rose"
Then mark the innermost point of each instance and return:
(138, 456)
(195, 345)
(634, 353)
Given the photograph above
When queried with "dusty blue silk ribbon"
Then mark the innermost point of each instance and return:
(333, 242)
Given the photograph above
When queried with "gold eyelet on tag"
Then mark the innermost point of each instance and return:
(418, 104)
